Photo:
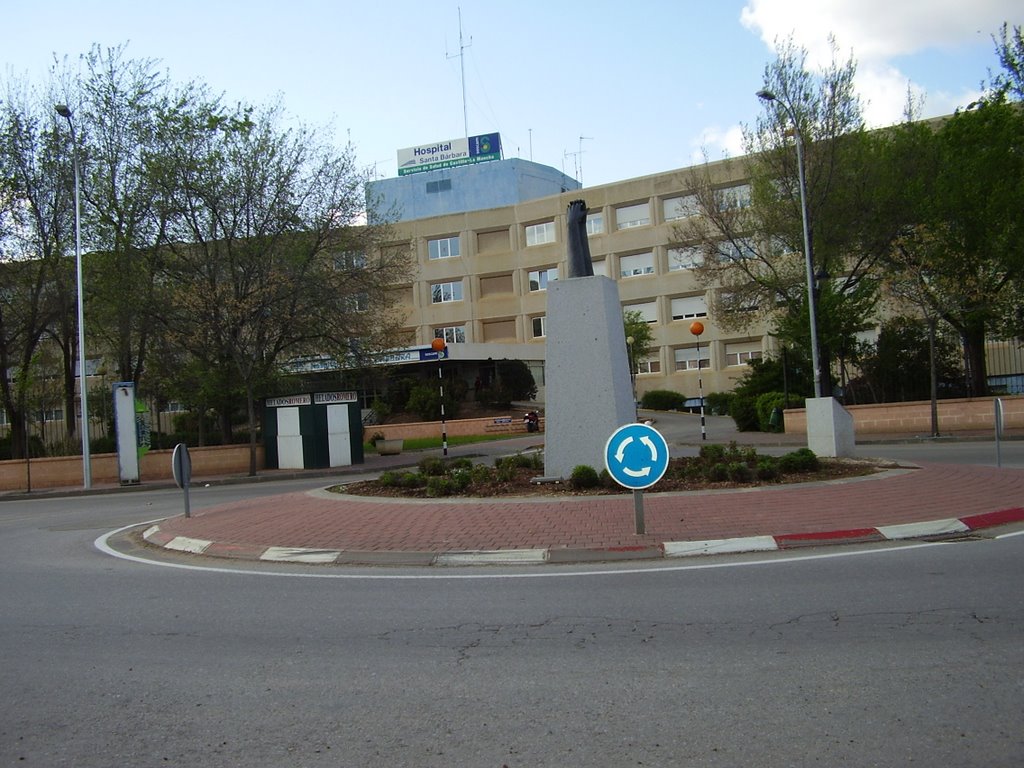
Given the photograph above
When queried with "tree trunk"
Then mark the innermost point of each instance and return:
(251, 413)
(974, 359)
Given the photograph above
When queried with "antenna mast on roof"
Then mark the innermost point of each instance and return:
(588, 138)
(462, 67)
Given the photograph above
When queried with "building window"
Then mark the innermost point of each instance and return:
(648, 366)
(689, 257)
(349, 260)
(539, 279)
(684, 207)
(3, 417)
(444, 185)
(454, 334)
(736, 251)
(637, 264)
(601, 268)
(595, 224)
(734, 198)
(359, 301)
(540, 327)
(686, 358)
(174, 407)
(51, 414)
(443, 248)
(633, 216)
(742, 353)
(538, 234)
(648, 311)
(442, 293)
(734, 301)
(688, 307)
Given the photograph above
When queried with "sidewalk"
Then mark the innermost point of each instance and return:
(330, 528)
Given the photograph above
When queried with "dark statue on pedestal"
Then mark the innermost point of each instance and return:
(580, 263)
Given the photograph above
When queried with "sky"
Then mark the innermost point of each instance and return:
(604, 91)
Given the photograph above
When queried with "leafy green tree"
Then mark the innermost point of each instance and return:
(752, 242)
(36, 238)
(264, 262)
(1010, 51)
(639, 330)
(964, 247)
(897, 369)
(516, 379)
(120, 100)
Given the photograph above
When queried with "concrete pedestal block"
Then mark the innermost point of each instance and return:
(588, 389)
(829, 428)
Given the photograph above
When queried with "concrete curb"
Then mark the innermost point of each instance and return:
(934, 529)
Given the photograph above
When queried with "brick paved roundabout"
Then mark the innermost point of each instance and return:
(326, 527)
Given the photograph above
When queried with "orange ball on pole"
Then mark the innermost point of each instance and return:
(437, 344)
(696, 327)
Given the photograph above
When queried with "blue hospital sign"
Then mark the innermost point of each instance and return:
(636, 456)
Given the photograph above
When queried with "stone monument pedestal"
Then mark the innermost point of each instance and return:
(589, 393)
(829, 428)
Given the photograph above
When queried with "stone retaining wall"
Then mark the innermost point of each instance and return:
(915, 418)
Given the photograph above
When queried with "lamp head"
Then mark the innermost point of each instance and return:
(765, 95)
(62, 110)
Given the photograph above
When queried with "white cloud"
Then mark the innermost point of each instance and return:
(716, 143)
(874, 33)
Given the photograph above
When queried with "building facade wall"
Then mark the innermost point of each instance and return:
(500, 250)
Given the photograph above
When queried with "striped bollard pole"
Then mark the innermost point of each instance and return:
(697, 328)
(439, 346)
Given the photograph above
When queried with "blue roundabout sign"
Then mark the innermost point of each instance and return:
(636, 456)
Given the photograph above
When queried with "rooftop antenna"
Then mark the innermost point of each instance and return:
(462, 67)
(575, 164)
(582, 138)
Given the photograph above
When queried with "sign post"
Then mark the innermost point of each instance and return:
(636, 457)
(181, 467)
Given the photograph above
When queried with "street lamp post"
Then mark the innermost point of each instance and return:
(766, 95)
(64, 112)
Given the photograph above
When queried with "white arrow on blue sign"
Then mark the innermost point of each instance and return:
(636, 456)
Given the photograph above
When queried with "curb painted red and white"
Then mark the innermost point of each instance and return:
(668, 549)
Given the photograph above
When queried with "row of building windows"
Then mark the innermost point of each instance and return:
(626, 217)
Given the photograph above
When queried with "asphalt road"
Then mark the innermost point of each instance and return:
(877, 656)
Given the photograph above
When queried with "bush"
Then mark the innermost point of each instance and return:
(389, 478)
(744, 413)
(802, 460)
(584, 476)
(521, 461)
(739, 472)
(663, 400)
(460, 479)
(717, 473)
(431, 466)
(411, 480)
(439, 486)
(718, 403)
(713, 452)
(767, 468)
(425, 402)
(481, 474)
